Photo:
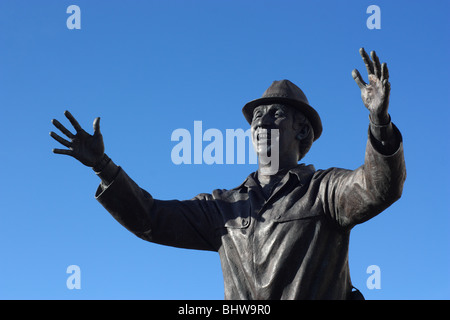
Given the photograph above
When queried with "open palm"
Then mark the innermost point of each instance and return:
(86, 148)
(375, 94)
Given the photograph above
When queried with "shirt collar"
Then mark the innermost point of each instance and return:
(301, 172)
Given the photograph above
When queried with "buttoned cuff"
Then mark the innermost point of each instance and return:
(106, 170)
(381, 132)
(385, 138)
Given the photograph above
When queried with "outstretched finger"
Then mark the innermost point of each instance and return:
(358, 79)
(377, 65)
(97, 126)
(367, 61)
(72, 120)
(384, 72)
(63, 151)
(387, 87)
(63, 141)
(63, 129)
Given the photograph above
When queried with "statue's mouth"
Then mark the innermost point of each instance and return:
(263, 135)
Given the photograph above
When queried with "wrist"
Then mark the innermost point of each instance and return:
(108, 173)
(380, 119)
(381, 132)
(102, 163)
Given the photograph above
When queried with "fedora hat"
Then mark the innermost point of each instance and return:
(286, 93)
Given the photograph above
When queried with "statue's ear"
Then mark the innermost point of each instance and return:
(302, 132)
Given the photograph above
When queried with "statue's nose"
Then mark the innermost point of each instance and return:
(265, 121)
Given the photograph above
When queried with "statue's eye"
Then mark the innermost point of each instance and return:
(279, 113)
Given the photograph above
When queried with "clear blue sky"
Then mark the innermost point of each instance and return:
(150, 67)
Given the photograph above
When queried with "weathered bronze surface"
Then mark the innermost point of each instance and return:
(283, 235)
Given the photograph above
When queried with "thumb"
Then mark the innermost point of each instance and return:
(358, 79)
(97, 126)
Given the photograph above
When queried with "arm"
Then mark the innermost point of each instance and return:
(187, 224)
(375, 96)
(353, 197)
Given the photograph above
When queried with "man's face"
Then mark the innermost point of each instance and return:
(274, 116)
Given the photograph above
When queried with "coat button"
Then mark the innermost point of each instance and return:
(244, 222)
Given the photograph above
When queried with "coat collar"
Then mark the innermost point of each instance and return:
(301, 172)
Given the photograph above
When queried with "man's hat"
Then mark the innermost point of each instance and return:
(286, 93)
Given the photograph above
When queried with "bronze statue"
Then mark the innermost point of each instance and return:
(283, 235)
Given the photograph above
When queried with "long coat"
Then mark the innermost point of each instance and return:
(293, 245)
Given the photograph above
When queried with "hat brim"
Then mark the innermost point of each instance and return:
(306, 109)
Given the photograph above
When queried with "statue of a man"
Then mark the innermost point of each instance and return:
(280, 235)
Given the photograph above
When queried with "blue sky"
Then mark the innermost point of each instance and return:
(150, 67)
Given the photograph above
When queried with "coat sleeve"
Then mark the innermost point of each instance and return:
(184, 224)
(351, 197)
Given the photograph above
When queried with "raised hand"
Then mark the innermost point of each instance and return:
(375, 94)
(86, 148)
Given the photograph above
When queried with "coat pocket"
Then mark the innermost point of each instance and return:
(235, 211)
(294, 214)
